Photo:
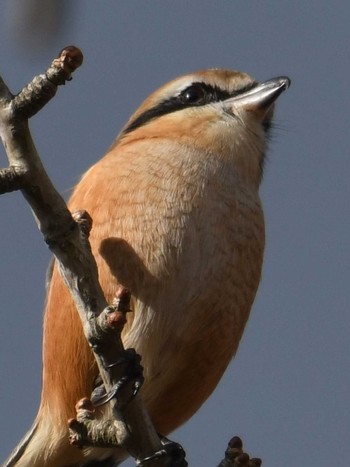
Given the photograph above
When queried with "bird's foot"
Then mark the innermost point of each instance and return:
(133, 376)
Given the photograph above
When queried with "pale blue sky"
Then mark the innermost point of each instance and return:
(287, 392)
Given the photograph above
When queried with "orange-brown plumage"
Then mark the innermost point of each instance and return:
(178, 220)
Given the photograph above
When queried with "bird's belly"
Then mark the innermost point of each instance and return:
(193, 263)
(188, 332)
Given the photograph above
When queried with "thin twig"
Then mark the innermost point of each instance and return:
(68, 240)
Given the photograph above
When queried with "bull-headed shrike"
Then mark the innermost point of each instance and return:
(177, 219)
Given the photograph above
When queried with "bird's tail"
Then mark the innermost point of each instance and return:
(19, 451)
(47, 445)
(42, 446)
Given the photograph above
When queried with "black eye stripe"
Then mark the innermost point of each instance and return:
(175, 103)
(210, 94)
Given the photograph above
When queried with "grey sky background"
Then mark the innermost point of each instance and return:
(287, 392)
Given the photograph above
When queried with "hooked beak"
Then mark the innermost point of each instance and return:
(260, 98)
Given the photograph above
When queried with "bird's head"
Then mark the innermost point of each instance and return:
(222, 112)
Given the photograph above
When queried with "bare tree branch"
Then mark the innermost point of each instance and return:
(236, 457)
(67, 238)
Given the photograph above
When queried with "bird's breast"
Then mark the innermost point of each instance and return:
(186, 236)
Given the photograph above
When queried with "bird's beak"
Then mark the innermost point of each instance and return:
(260, 98)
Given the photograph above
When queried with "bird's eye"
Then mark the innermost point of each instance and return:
(193, 94)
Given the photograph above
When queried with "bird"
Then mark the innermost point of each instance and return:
(177, 219)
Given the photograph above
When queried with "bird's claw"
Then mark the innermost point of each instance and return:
(134, 376)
